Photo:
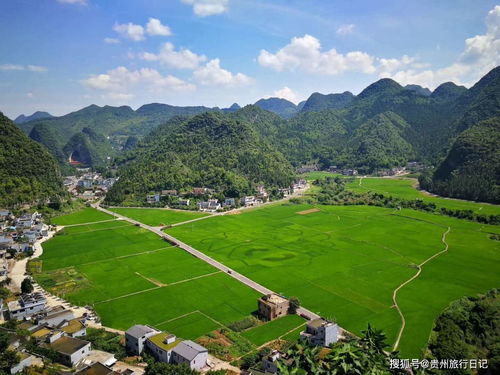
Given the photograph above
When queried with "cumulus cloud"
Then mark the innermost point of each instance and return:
(111, 40)
(155, 27)
(119, 83)
(213, 74)
(31, 68)
(130, 31)
(204, 8)
(168, 56)
(481, 54)
(304, 54)
(286, 93)
(345, 29)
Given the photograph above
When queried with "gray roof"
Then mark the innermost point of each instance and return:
(189, 350)
(138, 331)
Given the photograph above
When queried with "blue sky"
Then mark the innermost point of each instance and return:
(62, 55)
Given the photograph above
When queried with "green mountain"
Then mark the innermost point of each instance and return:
(50, 138)
(419, 89)
(88, 148)
(38, 115)
(448, 91)
(318, 102)
(281, 107)
(212, 150)
(28, 173)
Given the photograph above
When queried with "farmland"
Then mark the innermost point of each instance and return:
(87, 215)
(129, 275)
(344, 262)
(405, 188)
(158, 216)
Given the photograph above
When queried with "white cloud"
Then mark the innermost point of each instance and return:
(118, 97)
(111, 40)
(204, 8)
(155, 27)
(286, 93)
(345, 29)
(130, 31)
(79, 2)
(304, 54)
(31, 68)
(30, 95)
(182, 59)
(481, 54)
(213, 74)
(119, 82)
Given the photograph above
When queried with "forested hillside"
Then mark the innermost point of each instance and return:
(28, 173)
(210, 150)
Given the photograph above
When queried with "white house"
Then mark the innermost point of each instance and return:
(71, 350)
(136, 336)
(191, 353)
(320, 332)
(26, 305)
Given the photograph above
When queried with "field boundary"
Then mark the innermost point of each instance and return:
(91, 222)
(419, 266)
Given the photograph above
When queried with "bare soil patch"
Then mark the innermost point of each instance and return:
(307, 212)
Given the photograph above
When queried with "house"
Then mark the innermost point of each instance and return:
(25, 360)
(320, 332)
(161, 346)
(136, 336)
(96, 368)
(73, 328)
(190, 353)
(53, 316)
(98, 356)
(228, 202)
(70, 350)
(153, 198)
(261, 192)
(308, 168)
(6, 242)
(248, 201)
(211, 205)
(199, 191)
(332, 168)
(350, 172)
(285, 191)
(172, 193)
(269, 361)
(184, 202)
(4, 215)
(26, 305)
(272, 306)
(31, 235)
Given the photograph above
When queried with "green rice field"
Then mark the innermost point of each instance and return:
(406, 188)
(269, 331)
(87, 215)
(344, 262)
(158, 216)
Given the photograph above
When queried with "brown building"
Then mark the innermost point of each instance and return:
(272, 306)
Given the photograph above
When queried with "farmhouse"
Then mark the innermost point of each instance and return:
(229, 202)
(136, 336)
(211, 205)
(172, 193)
(95, 369)
(248, 201)
(153, 198)
(26, 305)
(161, 346)
(70, 350)
(272, 306)
(183, 202)
(190, 353)
(320, 332)
(54, 316)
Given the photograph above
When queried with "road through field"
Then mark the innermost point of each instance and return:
(229, 271)
(419, 267)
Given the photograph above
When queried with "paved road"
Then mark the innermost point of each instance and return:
(229, 271)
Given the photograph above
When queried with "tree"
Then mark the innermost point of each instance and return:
(8, 358)
(294, 305)
(26, 286)
(160, 368)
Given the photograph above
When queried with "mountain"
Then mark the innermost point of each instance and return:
(424, 91)
(88, 148)
(38, 115)
(50, 138)
(28, 173)
(234, 107)
(448, 91)
(213, 150)
(318, 102)
(384, 86)
(281, 107)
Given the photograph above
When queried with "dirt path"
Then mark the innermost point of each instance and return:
(419, 267)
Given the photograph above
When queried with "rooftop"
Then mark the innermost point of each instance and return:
(95, 369)
(159, 339)
(41, 333)
(274, 298)
(68, 345)
(189, 349)
(316, 323)
(139, 331)
(73, 326)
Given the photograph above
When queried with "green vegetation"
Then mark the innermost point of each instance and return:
(8, 358)
(190, 326)
(469, 328)
(345, 261)
(272, 330)
(405, 188)
(28, 173)
(106, 341)
(157, 216)
(89, 148)
(318, 102)
(26, 286)
(210, 150)
(86, 215)
(281, 107)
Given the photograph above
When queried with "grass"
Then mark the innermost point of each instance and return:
(405, 188)
(158, 216)
(272, 330)
(344, 262)
(87, 215)
(190, 326)
(311, 176)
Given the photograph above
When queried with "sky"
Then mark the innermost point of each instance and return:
(62, 55)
